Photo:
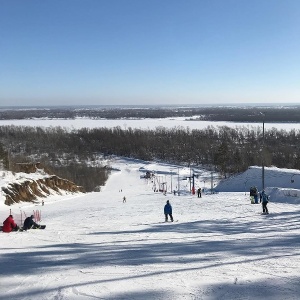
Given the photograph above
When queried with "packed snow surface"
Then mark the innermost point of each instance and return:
(95, 246)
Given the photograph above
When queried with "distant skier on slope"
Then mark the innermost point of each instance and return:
(199, 191)
(265, 201)
(168, 211)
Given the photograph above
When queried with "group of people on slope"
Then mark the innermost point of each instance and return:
(10, 225)
(254, 194)
(263, 198)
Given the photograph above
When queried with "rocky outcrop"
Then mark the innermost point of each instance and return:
(30, 190)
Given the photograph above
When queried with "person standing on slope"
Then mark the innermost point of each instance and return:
(265, 201)
(168, 211)
(199, 192)
(9, 224)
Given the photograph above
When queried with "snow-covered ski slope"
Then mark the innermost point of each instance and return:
(97, 247)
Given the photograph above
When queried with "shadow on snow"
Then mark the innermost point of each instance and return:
(204, 246)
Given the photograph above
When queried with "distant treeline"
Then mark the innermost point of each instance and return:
(224, 149)
(209, 113)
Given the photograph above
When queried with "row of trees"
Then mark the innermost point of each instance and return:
(224, 149)
(28, 144)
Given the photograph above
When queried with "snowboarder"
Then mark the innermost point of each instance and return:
(124, 199)
(265, 201)
(30, 224)
(168, 211)
(10, 225)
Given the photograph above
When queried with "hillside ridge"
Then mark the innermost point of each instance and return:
(31, 185)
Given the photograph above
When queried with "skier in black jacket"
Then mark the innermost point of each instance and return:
(29, 223)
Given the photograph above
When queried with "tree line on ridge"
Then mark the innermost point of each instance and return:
(76, 153)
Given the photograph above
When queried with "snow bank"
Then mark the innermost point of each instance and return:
(283, 195)
(274, 177)
(283, 185)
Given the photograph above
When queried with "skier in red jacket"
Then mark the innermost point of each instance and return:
(9, 224)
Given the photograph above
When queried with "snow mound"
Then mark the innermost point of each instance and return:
(283, 195)
(282, 185)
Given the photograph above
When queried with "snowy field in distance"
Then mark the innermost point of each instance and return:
(140, 123)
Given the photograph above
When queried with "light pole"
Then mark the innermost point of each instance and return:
(212, 182)
(178, 182)
(190, 179)
(263, 154)
(263, 157)
(171, 182)
(245, 185)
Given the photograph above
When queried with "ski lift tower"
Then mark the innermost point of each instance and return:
(192, 182)
(171, 181)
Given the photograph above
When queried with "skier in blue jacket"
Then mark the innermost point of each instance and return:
(265, 201)
(168, 211)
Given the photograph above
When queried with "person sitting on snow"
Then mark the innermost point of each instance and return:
(29, 223)
(10, 225)
(168, 211)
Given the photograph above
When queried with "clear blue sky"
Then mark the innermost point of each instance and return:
(149, 52)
